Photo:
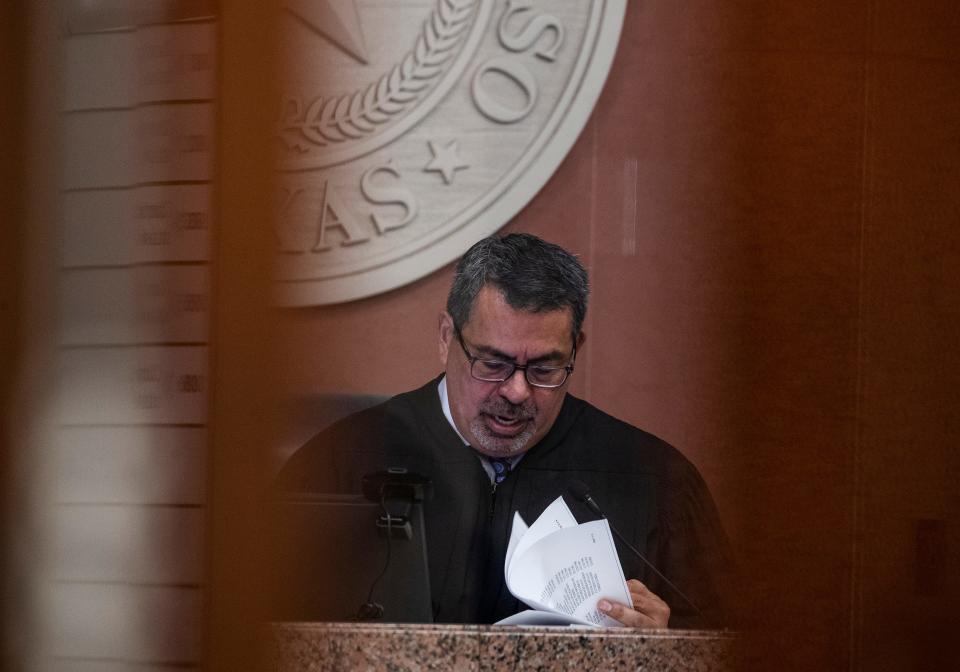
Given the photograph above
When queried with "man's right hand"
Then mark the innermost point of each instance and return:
(648, 611)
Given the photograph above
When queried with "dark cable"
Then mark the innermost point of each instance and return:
(371, 610)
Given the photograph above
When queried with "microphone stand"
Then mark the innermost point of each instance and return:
(584, 496)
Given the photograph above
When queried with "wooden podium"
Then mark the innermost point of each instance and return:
(322, 647)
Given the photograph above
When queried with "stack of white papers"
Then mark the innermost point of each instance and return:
(561, 569)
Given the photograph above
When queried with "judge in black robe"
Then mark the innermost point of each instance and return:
(508, 342)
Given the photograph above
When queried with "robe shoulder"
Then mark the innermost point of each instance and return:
(392, 430)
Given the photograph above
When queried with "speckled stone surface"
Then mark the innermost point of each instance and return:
(322, 647)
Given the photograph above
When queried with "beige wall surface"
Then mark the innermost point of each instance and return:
(766, 198)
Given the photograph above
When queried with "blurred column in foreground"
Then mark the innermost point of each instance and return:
(116, 456)
(241, 412)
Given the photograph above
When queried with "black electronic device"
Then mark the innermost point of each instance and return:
(340, 558)
(395, 482)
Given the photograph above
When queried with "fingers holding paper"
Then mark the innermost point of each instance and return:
(648, 611)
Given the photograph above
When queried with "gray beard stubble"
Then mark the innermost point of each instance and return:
(492, 443)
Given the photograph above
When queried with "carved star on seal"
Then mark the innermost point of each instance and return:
(336, 20)
(445, 160)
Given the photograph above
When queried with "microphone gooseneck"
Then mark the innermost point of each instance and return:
(580, 490)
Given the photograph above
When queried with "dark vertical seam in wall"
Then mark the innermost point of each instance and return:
(866, 190)
(591, 254)
(213, 327)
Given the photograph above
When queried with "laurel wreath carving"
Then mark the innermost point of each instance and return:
(354, 115)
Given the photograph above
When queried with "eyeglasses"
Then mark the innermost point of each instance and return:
(498, 370)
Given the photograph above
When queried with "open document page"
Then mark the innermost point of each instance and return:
(562, 569)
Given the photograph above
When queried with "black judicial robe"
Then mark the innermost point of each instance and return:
(646, 488)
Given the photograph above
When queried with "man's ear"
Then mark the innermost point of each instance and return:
(581, 337)
(446, 336)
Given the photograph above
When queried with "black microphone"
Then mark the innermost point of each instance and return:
(580, 490)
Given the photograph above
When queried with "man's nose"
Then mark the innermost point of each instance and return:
(516, 389)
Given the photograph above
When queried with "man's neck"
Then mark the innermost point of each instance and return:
(445, 404)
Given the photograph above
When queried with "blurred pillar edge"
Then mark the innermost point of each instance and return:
(29, 148)
(12, 46)
(243, 393)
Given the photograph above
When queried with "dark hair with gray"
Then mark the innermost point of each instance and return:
(531, 273)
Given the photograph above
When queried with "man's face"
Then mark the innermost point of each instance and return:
(508, 418)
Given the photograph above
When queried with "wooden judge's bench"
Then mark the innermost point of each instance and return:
(322, 647)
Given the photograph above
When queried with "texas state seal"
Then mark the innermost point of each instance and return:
(409, 130)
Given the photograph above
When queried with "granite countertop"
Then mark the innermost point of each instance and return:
(322, 647)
